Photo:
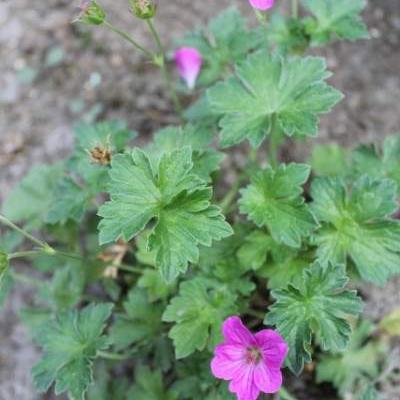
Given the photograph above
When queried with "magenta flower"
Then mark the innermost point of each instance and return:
(251, 362)
(262, 4)
(189, 62)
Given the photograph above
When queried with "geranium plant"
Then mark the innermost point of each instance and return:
(165, 283)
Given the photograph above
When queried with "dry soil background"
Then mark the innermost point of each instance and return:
(52, 74)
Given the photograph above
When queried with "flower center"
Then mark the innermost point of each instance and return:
(253, 355)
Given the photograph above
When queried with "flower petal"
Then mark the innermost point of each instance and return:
(273, 347)
(223, 368)
(243, 384)
(262, 4)
(236, 333)
(228, 361)
(268, 380)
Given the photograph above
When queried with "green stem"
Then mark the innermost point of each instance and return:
(11, 225)
(43, 246)
(22, 254)
(112, 356)
(285, 395)
(161, 62)
(129, 39)
(134, 270)
(274, 143)
(69, 255)
(295, 9)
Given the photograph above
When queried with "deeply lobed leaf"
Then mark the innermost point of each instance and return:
(273, 199)
(70, 344)
(31, 199)
(360, 360)
(269, 89)
(340, 18)
(318, 305)
(226, 41)
(198, 312)
(170, 195)
(141, 322)
(205, 159)
(358, 225)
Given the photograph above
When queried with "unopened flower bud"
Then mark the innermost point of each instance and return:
(189, 62)
(91, 13)
(144, 9)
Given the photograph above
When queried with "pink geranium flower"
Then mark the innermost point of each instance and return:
(251, 362)
(262, 4)
(189, 62)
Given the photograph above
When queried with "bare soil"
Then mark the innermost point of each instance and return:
(53, 73)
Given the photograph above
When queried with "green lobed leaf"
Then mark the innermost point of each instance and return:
(106, 386)
(225, 249)
(220, 263)
(200, 112)
(379, 162)
(318, 305)
(279, 264)
(360, 360)
(156, 287)
(198, 312)
(254, 251)
(287, 35)
(329, 160)
(226, 41)
(70, 202)
(273, 199)
(65, 289)
(149, 386)
(141, 322)
(114, 134)
(285, 270)
(356, 224)
(337, 18)
(195, 380)
(30, 200)
(85, 177)
(265, 89)
(36, 320)
(170, 195)
(370, 393)
(205, 159)
(70, 343)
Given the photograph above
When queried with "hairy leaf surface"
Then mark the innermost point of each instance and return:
(357, 225)
(318, 305)
(267, 91)
(226, 41)
(339, 18)
(273, 199)
(170, 195)
(198, 312)
(70, 344)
